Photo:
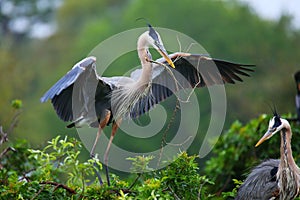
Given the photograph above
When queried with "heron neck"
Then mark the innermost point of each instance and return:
(287, 160)
(288, 171)
(144, 54)
(146, 75)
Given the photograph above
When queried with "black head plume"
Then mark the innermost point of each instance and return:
(152, 32)
(275, 113)
(277, 121)
(273, 109)
(276, 116)
(143, 18)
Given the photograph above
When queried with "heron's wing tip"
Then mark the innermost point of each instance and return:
(43, 99)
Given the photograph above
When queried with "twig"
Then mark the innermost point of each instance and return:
(180, 144)
(175, 195)
(177, 83)
(59, 185)
(3, 136)
(218, 193)
(6, 150)
(199, 191)
(169, 71)
(163, 141)
(25, 173)
(14, 122)
(135, 181)
(83, 186)
(36, 194)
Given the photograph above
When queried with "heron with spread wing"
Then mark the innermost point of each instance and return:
(274, 178)
(84, 97)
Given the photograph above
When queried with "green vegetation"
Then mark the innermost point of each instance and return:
(56, 171)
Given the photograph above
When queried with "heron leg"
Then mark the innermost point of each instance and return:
(92, 155)
(101, 126)
(115, 127)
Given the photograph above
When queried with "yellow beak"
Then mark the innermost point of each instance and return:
(266, 136)
(166, 56)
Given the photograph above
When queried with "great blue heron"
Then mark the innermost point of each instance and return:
(274, 178)
(84, 97)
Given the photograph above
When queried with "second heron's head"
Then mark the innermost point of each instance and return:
(276, 124)
(152, 38)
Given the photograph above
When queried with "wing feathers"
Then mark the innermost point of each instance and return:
(88, 88)
(190, 70)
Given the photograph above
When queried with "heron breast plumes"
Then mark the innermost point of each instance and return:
(125, 99)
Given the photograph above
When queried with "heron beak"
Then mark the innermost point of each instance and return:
(266, 136)
(164, 54)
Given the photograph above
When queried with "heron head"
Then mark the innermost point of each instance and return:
(156, 42)
(275, 125)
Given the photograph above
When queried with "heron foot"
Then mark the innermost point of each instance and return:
(107, 175)
(97, 171)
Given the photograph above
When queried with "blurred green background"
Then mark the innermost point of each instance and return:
(228, 30)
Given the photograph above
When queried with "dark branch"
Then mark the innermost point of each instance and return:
(135, 181)
(6, 150)
(59, 185)
(14, 122)
(3, 136)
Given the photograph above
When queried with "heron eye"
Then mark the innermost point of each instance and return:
(272, 129)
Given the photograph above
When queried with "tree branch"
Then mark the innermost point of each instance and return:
(3, 136)
(59, 185)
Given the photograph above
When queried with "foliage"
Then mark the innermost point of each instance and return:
(56, 172)
(182, 179)
(140, 164)
(29, 172)
(16, 103)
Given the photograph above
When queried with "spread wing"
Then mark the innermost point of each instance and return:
(191, 70)
(74, 95)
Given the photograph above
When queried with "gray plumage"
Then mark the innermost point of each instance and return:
(261, 183)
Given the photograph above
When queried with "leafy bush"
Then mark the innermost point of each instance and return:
(55, 171)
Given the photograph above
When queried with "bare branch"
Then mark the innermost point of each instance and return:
(59, 185)
(6, 150)
(3, 136)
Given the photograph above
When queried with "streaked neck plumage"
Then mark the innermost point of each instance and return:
(288, 171)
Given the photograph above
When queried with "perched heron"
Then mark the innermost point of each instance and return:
(84, 97)
(274, 178)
